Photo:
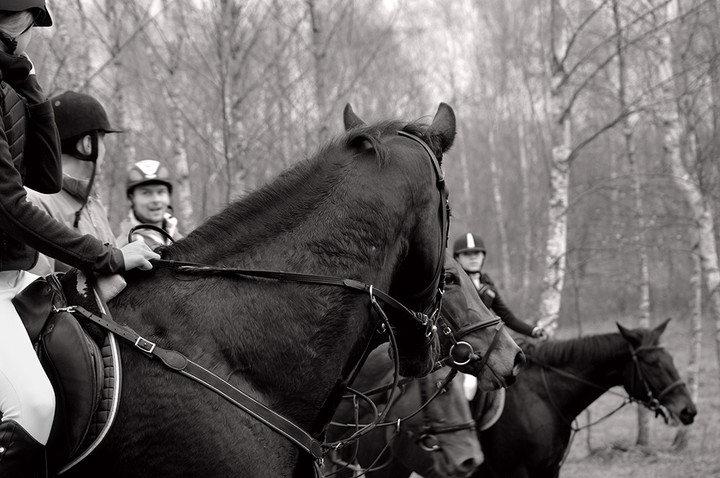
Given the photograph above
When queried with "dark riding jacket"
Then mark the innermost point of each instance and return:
(30, 156)
(491, 298)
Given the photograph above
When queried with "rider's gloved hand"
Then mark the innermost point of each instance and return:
(539, 333)
(137, 255)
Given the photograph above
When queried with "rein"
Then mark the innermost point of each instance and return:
(421, 318)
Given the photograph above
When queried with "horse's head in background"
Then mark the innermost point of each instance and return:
(651, 376)
(474, 338)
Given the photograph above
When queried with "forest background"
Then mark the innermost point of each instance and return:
(587, 153)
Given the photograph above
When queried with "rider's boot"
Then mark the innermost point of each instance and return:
(21, 456)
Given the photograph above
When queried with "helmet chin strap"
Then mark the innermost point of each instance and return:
(92, 157)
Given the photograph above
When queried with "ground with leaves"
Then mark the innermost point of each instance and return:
(608, 449)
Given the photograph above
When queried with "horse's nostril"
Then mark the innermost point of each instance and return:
(519, 362)
(687, 416)
(468, 465)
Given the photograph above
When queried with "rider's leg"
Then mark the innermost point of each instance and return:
(27, 400)
(21, 456)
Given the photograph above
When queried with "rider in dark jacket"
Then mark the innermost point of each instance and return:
(469, 250)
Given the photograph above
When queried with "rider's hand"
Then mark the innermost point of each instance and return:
(539, 333)
(137, 254)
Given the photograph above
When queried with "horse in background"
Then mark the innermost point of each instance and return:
(367, 215)
(531, 437)
(441, 441)
(438, 440)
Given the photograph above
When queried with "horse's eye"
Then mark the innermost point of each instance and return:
(450, 278)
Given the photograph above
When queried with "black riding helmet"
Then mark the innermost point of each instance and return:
(77, 115)
(468, 243)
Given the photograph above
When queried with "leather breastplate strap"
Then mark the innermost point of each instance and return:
(179, 363)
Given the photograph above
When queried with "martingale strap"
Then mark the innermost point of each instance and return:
(179, 363)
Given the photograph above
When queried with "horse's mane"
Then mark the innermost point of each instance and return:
(579, 350)
(265, 212)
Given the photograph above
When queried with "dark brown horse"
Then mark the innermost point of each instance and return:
(562, 379)
(368, 209)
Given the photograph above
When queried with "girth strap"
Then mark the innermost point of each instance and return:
(179, 363)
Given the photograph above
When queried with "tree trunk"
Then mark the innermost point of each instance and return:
(526, 213)
(183, 193)
(693, 375)
(320, 68)
(495, 181)
(628, 124)
(556, 246)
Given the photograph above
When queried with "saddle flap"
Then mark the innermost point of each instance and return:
(74, 366)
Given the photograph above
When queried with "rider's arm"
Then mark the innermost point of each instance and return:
(26, 223)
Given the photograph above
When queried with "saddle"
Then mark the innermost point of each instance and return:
(81, 361)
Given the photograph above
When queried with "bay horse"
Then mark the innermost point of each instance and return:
(436, 440)
(366, 214)
(531, 437)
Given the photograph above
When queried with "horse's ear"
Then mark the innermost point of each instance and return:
(443, 126)
(350, 119)
(632, 336)
(661, 328)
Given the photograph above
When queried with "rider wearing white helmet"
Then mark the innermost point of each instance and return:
(149, 188)
(470, 252)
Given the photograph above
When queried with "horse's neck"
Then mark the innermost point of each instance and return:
(582, 383)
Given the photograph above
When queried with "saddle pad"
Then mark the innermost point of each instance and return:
(106, 405)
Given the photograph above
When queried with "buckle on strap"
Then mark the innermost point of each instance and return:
(144, 345)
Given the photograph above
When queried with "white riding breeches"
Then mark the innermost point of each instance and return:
(26, 395)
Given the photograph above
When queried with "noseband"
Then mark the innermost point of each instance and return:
(461, 352)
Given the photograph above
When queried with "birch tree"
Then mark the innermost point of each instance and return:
(628, 128)
(556, 246)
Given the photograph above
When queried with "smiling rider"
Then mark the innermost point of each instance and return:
(149, 189)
